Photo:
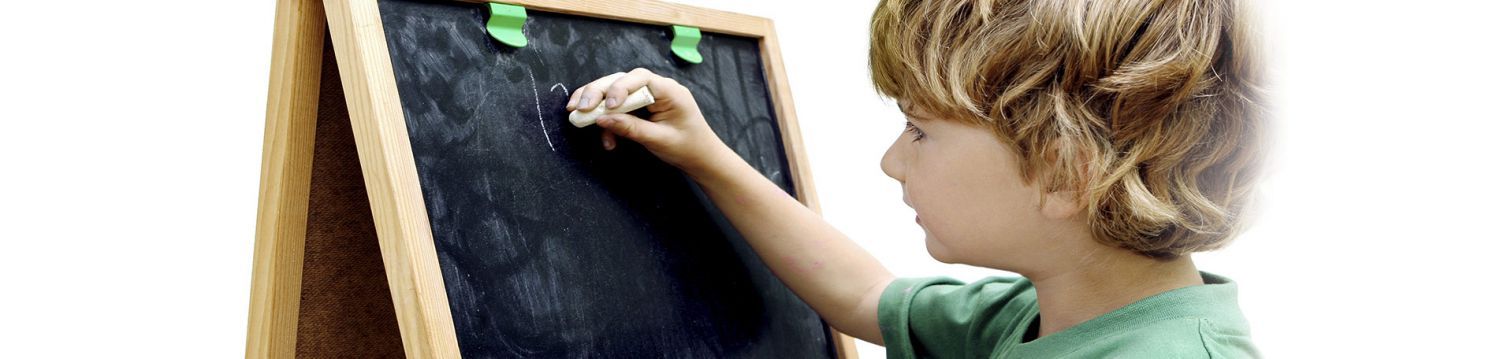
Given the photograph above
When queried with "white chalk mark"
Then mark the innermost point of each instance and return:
(565, 89)
(538, 98)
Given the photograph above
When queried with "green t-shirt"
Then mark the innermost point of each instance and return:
(996, 317)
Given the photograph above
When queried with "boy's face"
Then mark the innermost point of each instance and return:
(966, 187)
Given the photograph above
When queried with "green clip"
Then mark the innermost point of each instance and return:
(685, 43)
(505, 24)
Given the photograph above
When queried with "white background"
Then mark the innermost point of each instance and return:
(130, 143)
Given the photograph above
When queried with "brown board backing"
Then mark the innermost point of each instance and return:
(346, 307)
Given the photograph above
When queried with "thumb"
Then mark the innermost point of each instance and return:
(634, 128)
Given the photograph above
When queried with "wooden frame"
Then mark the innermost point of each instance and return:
(285, 175)
(399, 213)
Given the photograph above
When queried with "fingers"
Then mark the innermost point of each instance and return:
(613, 89)
(615, 94)
(668, 94)
(609, 140)
(589, 95)
(634, 128)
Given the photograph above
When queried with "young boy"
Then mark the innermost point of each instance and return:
(1089, 146)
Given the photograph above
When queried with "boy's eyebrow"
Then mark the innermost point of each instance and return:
(912, 115)
(909, 110)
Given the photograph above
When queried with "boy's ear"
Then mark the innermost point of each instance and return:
(1061, 204)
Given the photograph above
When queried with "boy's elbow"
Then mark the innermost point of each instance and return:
(863, 320)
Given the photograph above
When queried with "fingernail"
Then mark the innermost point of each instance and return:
(610, 103)
(609, 145)
(583, 103)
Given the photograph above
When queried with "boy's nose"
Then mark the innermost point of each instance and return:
(892, 162)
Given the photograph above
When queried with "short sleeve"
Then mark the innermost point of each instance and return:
(941, 317)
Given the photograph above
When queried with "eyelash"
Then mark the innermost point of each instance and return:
(917, 132)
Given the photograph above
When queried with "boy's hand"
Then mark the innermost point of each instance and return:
(676, 133)
(836, 277)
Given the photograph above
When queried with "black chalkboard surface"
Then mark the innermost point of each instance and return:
(550, 246)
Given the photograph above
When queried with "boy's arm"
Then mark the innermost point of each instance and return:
(831, 273)
(837, 278)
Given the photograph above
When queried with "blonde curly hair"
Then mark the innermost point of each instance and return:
(1152, 110)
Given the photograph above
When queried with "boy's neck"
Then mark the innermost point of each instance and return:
(1104, 282)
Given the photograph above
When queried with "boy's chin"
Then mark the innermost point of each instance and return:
(939, 251)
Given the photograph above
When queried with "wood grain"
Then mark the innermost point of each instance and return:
(652, 12)
(385, 156)
(285, 173)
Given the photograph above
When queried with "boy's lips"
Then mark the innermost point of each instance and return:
(908, 204)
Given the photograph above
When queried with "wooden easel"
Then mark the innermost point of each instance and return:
(397, 214)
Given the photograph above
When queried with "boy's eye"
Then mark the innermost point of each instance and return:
(916, 132)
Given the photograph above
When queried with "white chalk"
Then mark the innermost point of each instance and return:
(638, 99)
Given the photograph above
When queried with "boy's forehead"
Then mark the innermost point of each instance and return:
(906, 106)
(911, 109)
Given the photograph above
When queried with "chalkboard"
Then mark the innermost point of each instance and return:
(550, 246)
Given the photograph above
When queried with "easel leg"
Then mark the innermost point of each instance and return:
(318, 284)
(286, 167)
(346, 309)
